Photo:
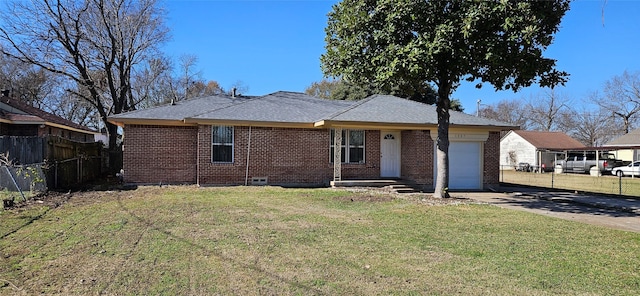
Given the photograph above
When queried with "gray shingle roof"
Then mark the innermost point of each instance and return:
(630, 139)
(281, 106)
(292, 107)
(184, 109)
(33, 114)
(391, 109)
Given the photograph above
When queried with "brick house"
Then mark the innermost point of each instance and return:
(22, 120)
(288, 138)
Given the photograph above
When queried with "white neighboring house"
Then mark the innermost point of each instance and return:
(538, 149)
(627, 146)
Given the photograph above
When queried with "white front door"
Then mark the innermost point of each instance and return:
(390, 154)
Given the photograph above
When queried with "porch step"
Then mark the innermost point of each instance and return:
(398, 186)
(404, 188)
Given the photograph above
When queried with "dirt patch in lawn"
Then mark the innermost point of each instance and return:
(366, 198)
(54, 199)
(386, 195)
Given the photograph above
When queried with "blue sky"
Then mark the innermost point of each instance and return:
(276, 45)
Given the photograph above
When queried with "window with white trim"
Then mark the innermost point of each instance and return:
(352, 148)
(222, 143)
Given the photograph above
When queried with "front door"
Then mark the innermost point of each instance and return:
(390, 154)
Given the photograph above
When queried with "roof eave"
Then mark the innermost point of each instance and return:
(26, 122)
(231, 122)
(73, 129)
(492, 128)
(403, 126)
(372, 125)
(121, 122)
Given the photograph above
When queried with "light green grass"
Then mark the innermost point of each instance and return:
(273, 241)
(581, 182)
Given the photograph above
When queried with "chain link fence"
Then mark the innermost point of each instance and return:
(22, 181)
(597, 183)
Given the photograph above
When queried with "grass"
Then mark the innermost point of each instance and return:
(274, 241)
(581, 182)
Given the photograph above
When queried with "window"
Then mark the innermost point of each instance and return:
(222, 143)
(352, 146)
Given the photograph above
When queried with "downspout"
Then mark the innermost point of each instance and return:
(246, 173)
(198, 157)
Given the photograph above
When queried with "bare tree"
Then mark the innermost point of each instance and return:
(622, 99)
(76, 109)
(188, 78)
(213, 88)
(511, 111)
(95, 43)
(592, 127)
(545, 108)
(152, 83)
(29, 83)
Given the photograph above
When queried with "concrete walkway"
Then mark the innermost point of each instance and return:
(619, 213)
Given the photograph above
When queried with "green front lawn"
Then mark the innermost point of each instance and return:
(274, 241)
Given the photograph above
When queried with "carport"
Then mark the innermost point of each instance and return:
(600, 149)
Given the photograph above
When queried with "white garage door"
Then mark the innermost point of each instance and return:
(465, 165)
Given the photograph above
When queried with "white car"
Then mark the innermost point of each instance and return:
(628, 170)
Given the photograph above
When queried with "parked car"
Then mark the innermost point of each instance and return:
(627, 170)
(523, 167)
(582, 162)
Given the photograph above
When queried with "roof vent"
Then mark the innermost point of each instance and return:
(233, 92)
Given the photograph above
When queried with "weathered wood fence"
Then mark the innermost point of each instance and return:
(65, 163)
(23, 150)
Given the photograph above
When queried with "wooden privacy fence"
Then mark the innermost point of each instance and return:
(23, 150)
(66, 163)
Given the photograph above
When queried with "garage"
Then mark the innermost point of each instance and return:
(465, 166)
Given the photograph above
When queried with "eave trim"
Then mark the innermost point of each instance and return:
(249, 123)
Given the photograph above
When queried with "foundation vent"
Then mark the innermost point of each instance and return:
(259, 181)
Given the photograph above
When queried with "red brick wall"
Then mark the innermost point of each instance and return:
(417, 157)
(154, 154)
(284, 156)
(492, 160)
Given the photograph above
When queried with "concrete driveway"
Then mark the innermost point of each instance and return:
(613, 212)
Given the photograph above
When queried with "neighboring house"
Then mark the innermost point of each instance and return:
(626, 147)
(20, 119)
(288, 138)
(537, 148)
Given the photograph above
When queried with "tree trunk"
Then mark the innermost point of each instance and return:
(442, 143)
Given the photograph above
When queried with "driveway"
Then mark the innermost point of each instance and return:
(613, 212)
